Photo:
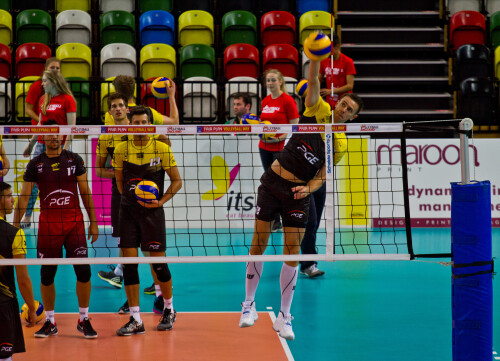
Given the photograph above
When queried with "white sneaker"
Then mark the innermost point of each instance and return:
(283, 325)
(248, 314)
(312, 271)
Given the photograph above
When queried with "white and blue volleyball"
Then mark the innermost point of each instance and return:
(317, 46)
(159, 87)
(146, 191)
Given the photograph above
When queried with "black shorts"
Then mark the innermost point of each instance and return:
(116, 199)
(275, 196)
(11, 332)
(144, 227)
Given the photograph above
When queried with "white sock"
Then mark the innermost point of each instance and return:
(157, 290)
(118, 270)
(135, 311)
(288, 280)
(49, 315)
(6, 359)
(168, 303)
(254, 271)
(84, 312)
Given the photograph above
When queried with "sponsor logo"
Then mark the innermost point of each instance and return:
(368, 128)
(176, 130)
(81, 251)
(268, 109)
(76, 130)
(270, 128)
(310, 157)
(128, 129)
(6, 347)
(52, 107)
(104, 130)
(339, 128)
(6, 130)
(63, 201)
(297, 214)
(55, 167)
(154, 246)
(311, 128)
(328, 139)
(222, 178)
(30, 130)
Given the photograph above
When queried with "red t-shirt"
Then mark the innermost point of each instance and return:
(277, 111)
(57, 109)
(336, 75)
(35, 92)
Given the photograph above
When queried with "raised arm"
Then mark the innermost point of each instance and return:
(173, 118)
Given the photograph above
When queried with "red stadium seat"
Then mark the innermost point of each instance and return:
(5, 61)
(277, 27)
(283, 57)
(241, 60)
(30, 59)
(149, 100)
(467, 27)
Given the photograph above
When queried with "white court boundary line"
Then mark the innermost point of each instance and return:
(283, 342)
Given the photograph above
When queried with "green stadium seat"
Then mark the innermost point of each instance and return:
(117, 27)
(238, 27)
(147, 5)
(5, 5)
(495, 30)
(34, 26)
(197, 60)
(81, 91)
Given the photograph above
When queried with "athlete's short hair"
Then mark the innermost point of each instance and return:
(139, 110)
(4, 186)
(357, 99)
(125, 84)
(117, 96)
(247, 99)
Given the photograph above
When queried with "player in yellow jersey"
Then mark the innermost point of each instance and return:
(4, 161)
(143, 224)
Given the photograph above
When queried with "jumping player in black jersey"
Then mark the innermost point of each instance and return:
(60, 174)
(286, 188)
(12, 245)
(143, 224)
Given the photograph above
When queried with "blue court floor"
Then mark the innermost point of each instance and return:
(378, 310)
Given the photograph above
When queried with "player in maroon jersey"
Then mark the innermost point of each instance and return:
(60, 174)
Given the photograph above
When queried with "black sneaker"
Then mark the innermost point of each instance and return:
(132, 327)
(150, 290)
(167, 320)
(48, 329)
(124, 309)
(158, 305)
(111, 278)
(86, 328)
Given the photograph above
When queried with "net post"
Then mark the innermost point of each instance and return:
(472, 270)
(406, 194)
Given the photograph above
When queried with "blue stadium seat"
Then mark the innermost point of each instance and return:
(157, 26)
(303, 6)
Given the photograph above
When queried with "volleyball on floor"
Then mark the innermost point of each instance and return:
(249, 119)
(317, 46)
(159, 87)
(301, 88)
(146, 191)
(40, 312)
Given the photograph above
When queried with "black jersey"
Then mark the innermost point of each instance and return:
(12, 242)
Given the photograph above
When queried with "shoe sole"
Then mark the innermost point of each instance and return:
(149, 292)
(45, 336)
(84, 335)
(130, 334)
(313, 275)
(120, 312)
(114, 284)
(289, 338)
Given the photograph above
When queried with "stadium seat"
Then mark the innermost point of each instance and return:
(495, 30)
(283, 5)
(158, 60)
(239, 27)
(34, 26)
(22, 87)
(157, 26)
(5, 27)
(199, 100)
(497, 62)
(303, 6)
(241, 60)
(117, 59)
(30, 59)
(62, 5)
(291, 83)
(492, 6)
(81, 91)
(117, 27)
(467, 27)
(315, 21)
(73, 26)
(45, 5)
(277, 27)
(243, 84)
(148, 5)
(196, 27)
(5, 5)
(149, 100)
(283, 57)
(305, 65)
(225, 6)
(477, 100)
(110, 5)
(5, 61)
(455, 6)
(5, 96)
(187, 5)
(472, 60)
(197, 60)
(76, 60)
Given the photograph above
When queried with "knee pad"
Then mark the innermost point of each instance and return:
(162, 272)
(82, 272)
(47, 274)
(130, 274)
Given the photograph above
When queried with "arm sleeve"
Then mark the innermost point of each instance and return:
(339, 146)
(70, 104)
(19, 244)
(101, 147)
(321, 110)
(118, 156)
(108, 119)
(350, 69)
(157, 117)
(291, 108)
(80, 165)
(168, 159)
(30, 175)
(34, 93)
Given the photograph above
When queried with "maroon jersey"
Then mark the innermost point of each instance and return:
(56, 180)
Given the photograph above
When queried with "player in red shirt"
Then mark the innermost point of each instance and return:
(339, 72)
(278, 108)
(59, 174)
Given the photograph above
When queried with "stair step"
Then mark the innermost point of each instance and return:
(396, 68)
(393, 35)
(380, 5)
(425, 102)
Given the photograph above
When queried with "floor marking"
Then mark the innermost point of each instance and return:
(282, 340)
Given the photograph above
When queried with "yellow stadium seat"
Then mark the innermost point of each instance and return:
(22, 88)
(497, 62)
(5, 27)
(315, 21)
(196, 27)
(76, 60)
(62, 5)
(158, 60)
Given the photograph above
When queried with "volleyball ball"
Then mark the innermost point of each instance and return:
(159, 87)
(249, 119)
(146, 191)
(317, 46)
(301, 88)
(266, 135)
(40, 312)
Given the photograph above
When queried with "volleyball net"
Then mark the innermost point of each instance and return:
(211, 219)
